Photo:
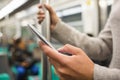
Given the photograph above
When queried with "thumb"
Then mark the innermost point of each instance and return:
(50, 9)
(53, 54)
(70, 49)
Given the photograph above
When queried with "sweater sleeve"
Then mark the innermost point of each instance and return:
(98, 48)
(104, 73)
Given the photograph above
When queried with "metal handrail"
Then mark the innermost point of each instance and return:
(46, 68)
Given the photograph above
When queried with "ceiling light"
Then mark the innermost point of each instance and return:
(14, 4)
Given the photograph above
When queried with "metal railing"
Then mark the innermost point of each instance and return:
(46, 67)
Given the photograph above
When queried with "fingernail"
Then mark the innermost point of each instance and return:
(39, 5)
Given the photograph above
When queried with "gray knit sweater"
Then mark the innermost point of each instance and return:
(99, 48)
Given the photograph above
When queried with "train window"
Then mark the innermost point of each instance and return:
(70, 13)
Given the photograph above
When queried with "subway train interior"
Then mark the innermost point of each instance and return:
(86, 16)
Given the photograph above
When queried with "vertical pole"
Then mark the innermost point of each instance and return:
(46, 70)
(103, 13)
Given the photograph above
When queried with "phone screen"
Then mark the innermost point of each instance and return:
(42, 38)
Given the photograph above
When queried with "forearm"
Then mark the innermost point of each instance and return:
(96, 48)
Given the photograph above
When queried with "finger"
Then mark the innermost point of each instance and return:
(54, 63)
(41, 43)
(40, 12)
(57, 66)
(64, 52)
(70, 49)
(40, 21)
(41, 17)
(39, 5)
(53, 54)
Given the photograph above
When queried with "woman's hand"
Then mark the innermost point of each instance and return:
(53, 17)
(75, 67)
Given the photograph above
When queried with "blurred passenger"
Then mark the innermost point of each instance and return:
(31, 45)
(79, 66)
(23, 60)
(11, 49)
(34, 48)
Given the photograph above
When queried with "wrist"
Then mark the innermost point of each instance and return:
(91, 72)
(54, 25)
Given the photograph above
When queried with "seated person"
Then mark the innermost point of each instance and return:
(23, 60)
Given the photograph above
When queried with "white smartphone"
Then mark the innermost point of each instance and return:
(41, 37)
